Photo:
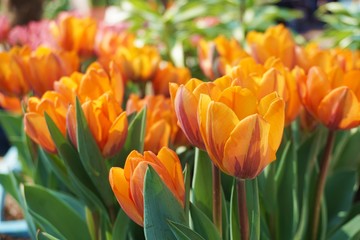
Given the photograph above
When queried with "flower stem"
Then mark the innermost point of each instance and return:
(217, 215)
(243, 213)
(321, 182)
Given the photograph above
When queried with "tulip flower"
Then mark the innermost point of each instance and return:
(128, 183)
(91, 85)
(58, 64)
(11, 104)
(277, 41)
(13, 72)
(161, 128)
(137, 64)
(215, 57)
(185, 99)
(166, 74)
(331, 97)
(75, 34)
(55, 105)
(241, 134)
(4, 28)
(107, 123)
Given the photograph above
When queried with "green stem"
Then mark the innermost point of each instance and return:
(243, 213)
(321, 182)
(217, 215)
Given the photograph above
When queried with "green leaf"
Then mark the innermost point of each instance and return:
(347, 158)
(339, 194)
(91, 157)
(160, 205)
(187, 177)
(351, 230)
(82, 183)
(65, 219)
(183, 232)
(47, 236)
(203, 225)
(234, 216)
(252, 199)
(121, 226)
(202, 183)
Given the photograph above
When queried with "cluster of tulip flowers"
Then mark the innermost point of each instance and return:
(183, 157)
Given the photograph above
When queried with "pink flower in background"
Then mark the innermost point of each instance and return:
(4, 27)
(34, 34)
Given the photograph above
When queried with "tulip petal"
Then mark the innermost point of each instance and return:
(247, 151)
(340, 109)
(216, 122)
(271, 107)
(317, 87)
(117, 135)
(121, 187)
(157, 136)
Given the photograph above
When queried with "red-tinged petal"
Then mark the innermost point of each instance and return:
(121, 187)
(340, 109)
(71, 124)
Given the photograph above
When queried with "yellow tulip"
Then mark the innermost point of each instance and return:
(55, 105)
(277, 41)
(128, 183)
(241, 134)
(107, 123)
(332, 97)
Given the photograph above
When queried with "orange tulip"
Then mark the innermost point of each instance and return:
(128, 183)
(13, 72)
(277, 41)
(137, 64)
(75, 34)
(215, 57)
(241, 134)
(11, 104)
(55, 105)
(185, 99)
(58, 64)
(91, 85)
(107, 123)
(332, 97)
(161, 128)
(166, 74)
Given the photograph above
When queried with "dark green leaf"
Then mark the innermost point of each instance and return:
(121, 226)
(252, 199)
(202, 224)
(183, 232)
(160, 205)
(234, 216)
(351, 230)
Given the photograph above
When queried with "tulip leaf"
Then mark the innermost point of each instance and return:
(252, 202)
(187, 177)
(234, 216)
(225, 216)
(121, 226)
(91, 157)
(183, 232)
(46, 236)
(202, 224)
(57, 212)
(339, 202)
(160, 206)
(202, 183)
(82, 183)
(350, 230)
(347, 158)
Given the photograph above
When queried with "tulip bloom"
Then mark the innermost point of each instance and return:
(166, 74)
(13, 72)
(58, 64)
(241, 134)
(55, 105)
(215, 57)
(137, 64)
(75, 34)
(91, 85)
(185, 99)
(332, 97)
(107, 123)
(161, 128)
(128, 183)
(277, 42)
(11, 104)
